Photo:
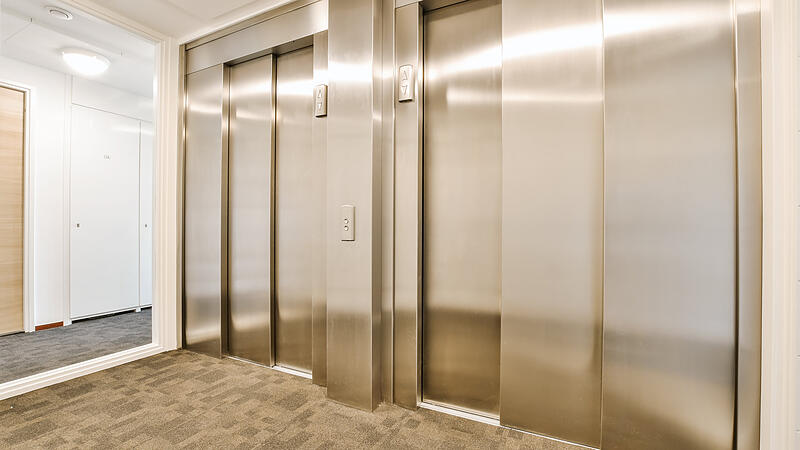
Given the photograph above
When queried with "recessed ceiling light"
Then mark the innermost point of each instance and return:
(59, 13)
(84, 61)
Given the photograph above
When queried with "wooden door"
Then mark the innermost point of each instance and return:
(12, 179)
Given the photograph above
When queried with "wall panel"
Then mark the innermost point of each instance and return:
(670, 249)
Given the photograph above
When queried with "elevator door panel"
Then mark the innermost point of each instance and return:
(205, 203)
(461, 206)
(249, 205)
(293, 203)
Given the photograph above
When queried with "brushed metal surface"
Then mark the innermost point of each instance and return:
(408, 213)
(180, 201)
(277, 31)
(249, 22)
(552, 218)
(462, 181)
(293, 208)
(205, 210)
(354, 168)
(387, 201)
(319, 145)
(748, 137)
(250, 190)
(669, 358)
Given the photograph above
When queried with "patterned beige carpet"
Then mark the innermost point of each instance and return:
(186, 400)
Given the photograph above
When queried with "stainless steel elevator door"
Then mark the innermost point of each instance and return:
(293, 209)
(249, 206)
(205, 205)
(461, 206)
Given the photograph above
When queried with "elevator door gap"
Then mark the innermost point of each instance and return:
(291, 371)
(489, 421)
(460, 412)
(278, 368)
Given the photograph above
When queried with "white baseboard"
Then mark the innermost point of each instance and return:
(51, 377)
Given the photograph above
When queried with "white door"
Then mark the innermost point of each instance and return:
(104, 212)
(146, 216)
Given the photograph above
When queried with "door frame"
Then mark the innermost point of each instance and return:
(167, 236)
(780, 340)
(27, 214)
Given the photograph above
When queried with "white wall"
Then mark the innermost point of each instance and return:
(51, 96)
(47, 138)
(106, 98)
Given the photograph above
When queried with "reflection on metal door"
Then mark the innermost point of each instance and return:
(249, 204)
(293, 209)
(205, 238)
(669, 357)
(461, 206)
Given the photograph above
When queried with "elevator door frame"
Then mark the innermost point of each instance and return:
(204, 298)
(407, 213)
(318, 371)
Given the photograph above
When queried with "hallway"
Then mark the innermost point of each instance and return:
(182, 399)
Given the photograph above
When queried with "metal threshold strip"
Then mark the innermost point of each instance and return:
(278, 368)
(491, 421)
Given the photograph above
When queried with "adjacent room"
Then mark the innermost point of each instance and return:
(76, 214)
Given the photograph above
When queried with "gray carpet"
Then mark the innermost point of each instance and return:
(182, 399)
(26, 354)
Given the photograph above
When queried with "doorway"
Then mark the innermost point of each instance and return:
(12, 209)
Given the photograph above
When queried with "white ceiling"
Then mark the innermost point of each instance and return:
(29, 33)
(188, 19)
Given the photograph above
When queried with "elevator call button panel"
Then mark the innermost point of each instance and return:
(320, 100)
(405, 80)
(347, 224)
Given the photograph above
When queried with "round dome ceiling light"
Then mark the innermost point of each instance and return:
(85, 62)
(58, 13)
